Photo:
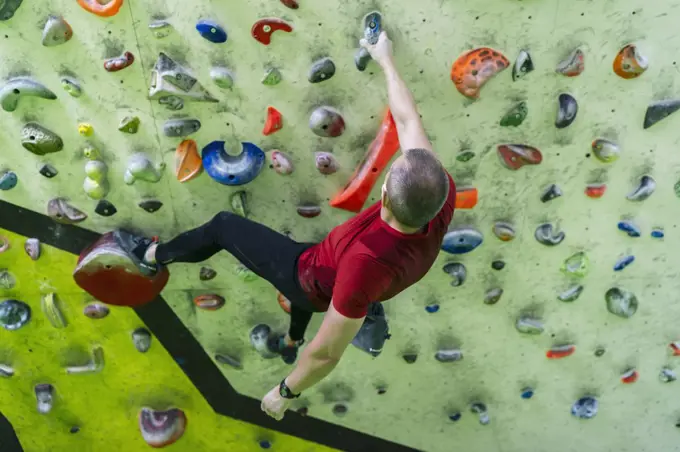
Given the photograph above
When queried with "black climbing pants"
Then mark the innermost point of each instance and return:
(265, 252)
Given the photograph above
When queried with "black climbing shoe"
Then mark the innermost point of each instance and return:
(136, 247)
(278, 345)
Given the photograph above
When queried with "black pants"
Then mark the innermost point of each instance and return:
(267, 253)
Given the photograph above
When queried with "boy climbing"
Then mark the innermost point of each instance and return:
(370, 258)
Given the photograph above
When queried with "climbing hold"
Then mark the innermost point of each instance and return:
(48, 171)
(14, 314)
(573, 65)
(100, 8)
(657, 233)
(455, 417)
(599, 351)
(667, 375)
(629, 376)
(515, 156)
(281, 162)
(206, 274)
(498, 265)
(129, 124)
(292, 4)
(181, 127)
(432, 308)
(466, 198)
(8, 8)
(161, 428)
(96, 310)
(71, 86)
(492, 296)
(233, 169)
(8, 180)
(576, 265)
(585, 408)
(171, 102)
(623, 262)
(656, 111)
(457, 271)
(91, 153)
(56, 32)
(44, 394)
(160, 28)
(675, 348)
(211, 31)
(523, 65)
(529, 325)
(340, 409)
(85, 129)
(4, 244)
(96, 186)
(272, 76)
(222, 77)
(410, 358)
(560, 351)
(188, 164)
(96, 363)
(15, 88)
(595, 191)
(527, 393)
(259, 337)
(141, 338)
(566, 110)
(516, 115)
(209, 302)
(140, 168)
(274, 121)
(228, 360)
(644, 190)
(361, 59)
(548, 235)
(372, 26)
(465, 156)
(551, 192)
(621, 302)
(629, 62)
(605, 151)
(321, 70)
(480, 409)
(461, 240)
(571, 294)
(474, 68)
(32, 248)
(61, 211)
(150, 205)
(448, 355)
(118, 63)
(263, 29)
(170, 83)
(326, 122)
(326, 163)
(504, 231)
(245, 273)
(308, 210)
(284, 302)
(7, 281)
(239, 203)
(105, 208)
(50, 307)
(6, 371)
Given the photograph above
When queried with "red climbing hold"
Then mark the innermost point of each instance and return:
(675, 348)
(209, 302)
(515, 156)
(118, 63)
(283, 302)
(292, 4)
(473, 69)
(595, 190)
(630, 376)
(274, 121)
(262, 29)
(561, 351)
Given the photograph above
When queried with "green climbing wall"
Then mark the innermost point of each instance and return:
(428, 37)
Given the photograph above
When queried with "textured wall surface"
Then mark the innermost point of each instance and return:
(428, 37)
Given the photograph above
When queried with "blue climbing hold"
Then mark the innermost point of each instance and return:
(455, 417)
(527, 393)
(585, 408)
(623, 262)
(211, 31)
(462, 240)
(629, 228)
(233, 169)
(8, 180)
(432, 308)
(658, 233)
(264, 444)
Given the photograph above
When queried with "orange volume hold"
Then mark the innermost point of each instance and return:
(107, 10)
(274, 121)
(474, 68)
(188, 164)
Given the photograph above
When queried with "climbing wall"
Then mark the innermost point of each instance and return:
(556, 294)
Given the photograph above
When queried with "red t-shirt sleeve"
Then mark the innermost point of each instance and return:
(360, 280)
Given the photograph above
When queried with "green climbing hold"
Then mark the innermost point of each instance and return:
(272, 77)
(245, 273)
(576, 265)
(516, 115)
(676, 187)
(129, 124)
(465, 156)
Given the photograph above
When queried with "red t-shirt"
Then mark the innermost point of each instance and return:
(365, 260)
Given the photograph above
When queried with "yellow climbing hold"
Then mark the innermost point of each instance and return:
(85, 129)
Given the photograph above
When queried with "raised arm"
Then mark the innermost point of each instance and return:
(402, 105)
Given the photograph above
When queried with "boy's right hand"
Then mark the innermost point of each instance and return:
(381, 52)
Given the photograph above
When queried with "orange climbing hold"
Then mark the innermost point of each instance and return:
(473, 69)
(629, 63)
(466, 198)
(188, 163)
(283, 302)
(274, 121)
(106, 10)
(595, 190)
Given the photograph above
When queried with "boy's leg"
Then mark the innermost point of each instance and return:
(287, 344)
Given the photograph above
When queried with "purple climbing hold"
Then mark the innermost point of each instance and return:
(629, 228)
(623, 262)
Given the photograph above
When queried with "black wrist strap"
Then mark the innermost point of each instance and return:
(285, 391)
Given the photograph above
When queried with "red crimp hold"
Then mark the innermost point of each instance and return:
(274, 121)
(515, 156)
(262, 29)
(675, 348)
(209, 302)
(630, 376)
(595, 190)
(118, 63)
(561, 351)
(292, 4)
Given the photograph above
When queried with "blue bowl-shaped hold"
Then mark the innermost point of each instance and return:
(658, 233)
(527, 393)
(623, 262)
(462, 240)
(432, 308)
(211, 31)
(455, 417)
(629, 228)
(265, 444)
(8, 180)
(232, 169)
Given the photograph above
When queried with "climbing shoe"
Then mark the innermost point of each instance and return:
(279, 345)
(136, 247)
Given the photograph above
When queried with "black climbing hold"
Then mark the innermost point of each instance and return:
(206, 274)
(551, 192)
(321, 70)
(523, 65)
(566, 110)
(548, 235)
(498, 265)
(644, 190)
(455, 417)
(8, 8)
(492, 296)
(480, 409)
(660, 110)
(105, 208)
(410, 357)
(340, 409)
(74, 429)
(265, 444)
(48, 171)
(599, 351)
(361, 59)
(151, 205)
(457, 272)
(381, 390)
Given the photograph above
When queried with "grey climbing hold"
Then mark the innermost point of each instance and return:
(150, 205)
(222, 77)
(498, 265)
(621, 302)
(361, 59)
(160, 28)
(170, 79)
(6, 371)
(504, 231)
(96, 186)
(228, 360)
(44, 395)
(326, 163)
(181, 127)
(667, 375)
(32, 248)
(410, 358)
(140, 168)
(56, 32)
(48, 171)
(327, 122)
(8, 8)
(660, 110)
(448, 355)
(14, 314)
(141, 338)
(206, 274)
(129, 124)
(40, 140)
(18, 87)
(105, 208)
(585, 408)
(71, 86)
(7, 281)
(8, 180)
(465, 156)
(551, 192)
(529, 325)
(573, 65)
(321, 70)
(340, 409)
(259, 337)
(571, 294)
(173, 103)
(61, 211)
(605, 151)
(272, 76)
(548, 235)
(492, 296)
(481, 410)
(567, 109)
(239, 203)
(523, 65)
(461, 240)
(457, 272)
(644, 190)
(95, 365)
(577, 264)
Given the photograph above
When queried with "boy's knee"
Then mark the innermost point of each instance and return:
(222, 217)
